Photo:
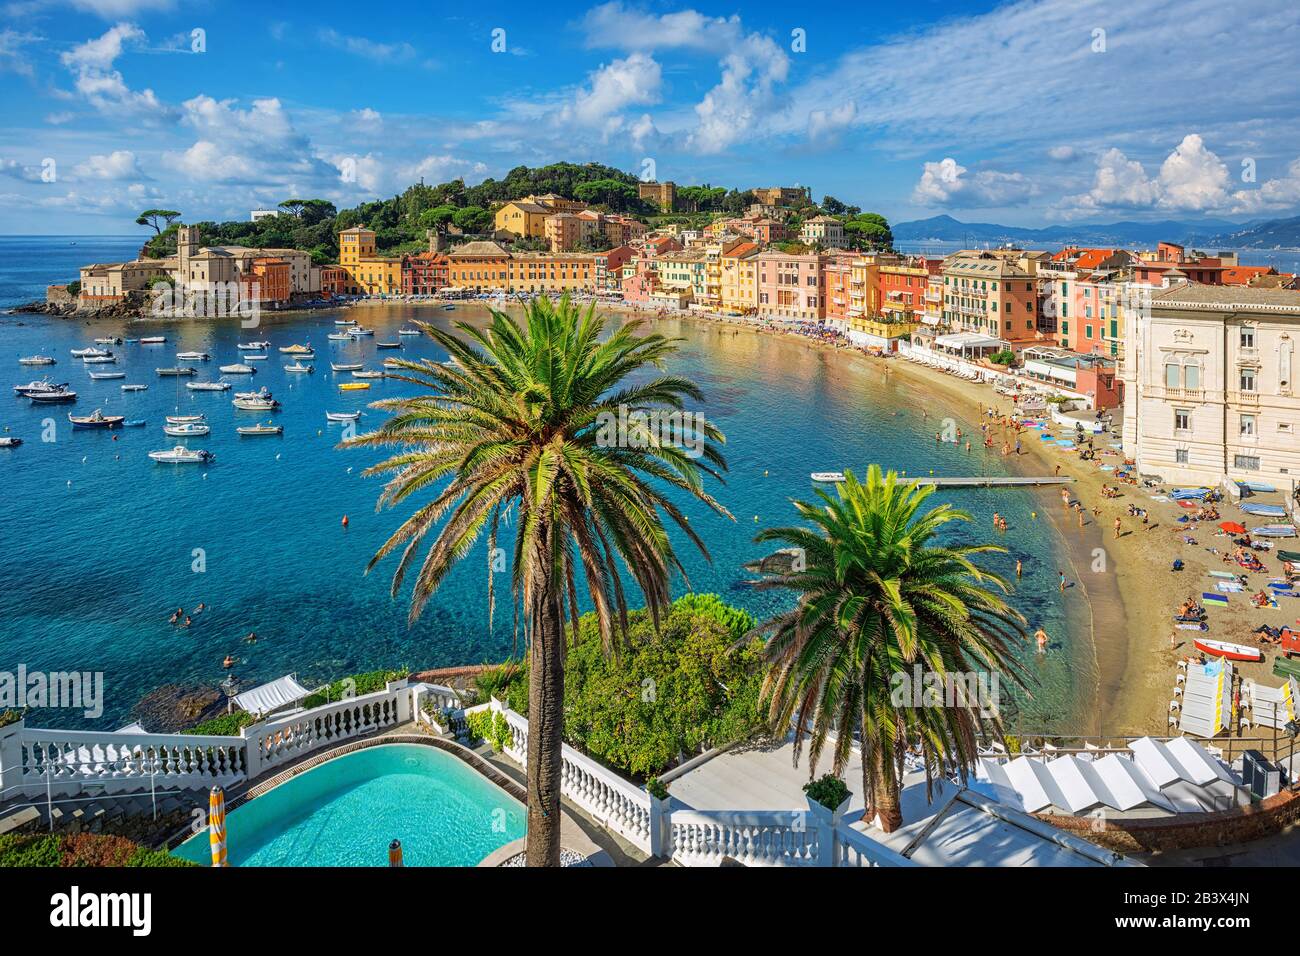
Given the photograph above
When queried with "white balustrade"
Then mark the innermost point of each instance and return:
(751, 837)
(276, 742)
(854, 848)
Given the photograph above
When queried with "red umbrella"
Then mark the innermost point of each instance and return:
(1232, 527)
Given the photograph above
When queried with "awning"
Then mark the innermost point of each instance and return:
(272, 696)
(967, 340)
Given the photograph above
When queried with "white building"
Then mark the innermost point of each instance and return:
(1210, 390)
(824, 230)
(257, 214)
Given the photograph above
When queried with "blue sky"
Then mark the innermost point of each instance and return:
(1028, 112)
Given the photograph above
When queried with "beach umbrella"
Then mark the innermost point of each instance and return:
(1232, 527)
(217, 826)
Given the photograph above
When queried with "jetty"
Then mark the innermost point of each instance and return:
(996, 481)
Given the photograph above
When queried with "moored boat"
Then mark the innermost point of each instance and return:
(256, 358)
(101, 376)
(208, 386)
(253, 346)
(89, 353)
(177, 370)
(408, 331)
(353, 386)
(96, 419)
(187, 430)
(267, 429)
(339, 337)
(388, 345)
(295, 350)
(134, 388)
(1227, 650)
(192, 356)
(38, 360)
(345, 367)
(360, 330)
(180, 455)
(239, 368)
(256, 404)
(108, 341)
(185, 419)
(371, 373)
(153, 339)
(53, 397)
(827, 477)
(44, 385)
(262, 393)
(8, 441)
(299, 367)
(109, 359)
(342, 416)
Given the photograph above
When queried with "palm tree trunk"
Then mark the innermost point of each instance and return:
(545, 724)
(885, 798)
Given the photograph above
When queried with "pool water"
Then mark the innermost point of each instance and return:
(346, 811)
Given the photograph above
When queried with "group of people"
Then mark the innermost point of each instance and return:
(181, 619)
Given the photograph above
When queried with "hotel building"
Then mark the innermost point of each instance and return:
(994, 293)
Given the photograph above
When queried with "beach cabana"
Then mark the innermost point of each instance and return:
(268, 698)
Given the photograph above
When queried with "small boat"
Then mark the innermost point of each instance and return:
(8, 441)
(53, 397)
(827, 477)
(342, 416)
(256, 404)
(153, 340)
(338, 367)
(354, 386)
(38, 360)
(100, 360)
(262, 393)
(89, 353)
(295, 350)
(208, 386)
(44, 385)
(1264, 511)
(1275, 531)
(187, 430)
(359, 330)
(256, 358)
(339, 337)
(1258, 487)
(371, 373)
(238, 369)
(253, 346)
(408, 331)
(185, 419)
(101, 376)
(1232, 652)
(299, 367)
(134, 388)
(192, 356)
(178, 370)
(134, 422)
(267, 429)
(388, 345)
(180, 455)
(96, 419)
(448, 308)
(345, 321)
(108, 341)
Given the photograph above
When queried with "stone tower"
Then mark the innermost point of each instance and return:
(187, 245)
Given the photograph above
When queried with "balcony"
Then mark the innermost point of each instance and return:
(1250, 399)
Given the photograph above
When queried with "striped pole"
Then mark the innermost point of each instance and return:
(217, 826)
(395, 853)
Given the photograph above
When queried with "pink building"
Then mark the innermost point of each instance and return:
(791, 286)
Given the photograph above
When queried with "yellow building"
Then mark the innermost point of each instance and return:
(487, 266)
(524, 219)
(738, 283)
(369, 273)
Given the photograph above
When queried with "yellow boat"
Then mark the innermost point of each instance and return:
(353, 386)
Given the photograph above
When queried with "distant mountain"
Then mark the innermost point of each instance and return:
(1199, 232)
(1270, 234)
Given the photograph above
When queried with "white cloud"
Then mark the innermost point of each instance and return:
(824, 124)
(1191, 179)
(633, 81)
(380, 52)
(114, 167)
(111, 9)
(1280, 193)
(367, 120)
(254, 145)
(945, 183)
(102, 86)
(1062, 154)
(13, 54)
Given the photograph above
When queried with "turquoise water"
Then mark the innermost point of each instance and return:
(346, 812)
(101, 544)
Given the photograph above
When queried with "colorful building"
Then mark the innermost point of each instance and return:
(824, 231)
(993, 292)
(791, 286)
(738, 278)
(369, 272)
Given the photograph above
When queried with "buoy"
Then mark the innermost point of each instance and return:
(764, 472)
(755, 519)
(345, 521)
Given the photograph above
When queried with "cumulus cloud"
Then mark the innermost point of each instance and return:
(1282, 192)
(102, 86)
(116, 166)
(1191, 179)
(1062, 154)
(632, 81)
(945, 183)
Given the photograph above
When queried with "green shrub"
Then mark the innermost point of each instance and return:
(81, 849)
(830, 791)
(227, 725)
(146, 857)
(8, 717)
(28, 851)
(357, 685)
(656, 788)
(491, 726)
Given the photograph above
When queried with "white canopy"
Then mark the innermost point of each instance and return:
(272, 696)
(967, 340)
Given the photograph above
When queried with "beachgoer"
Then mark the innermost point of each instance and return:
(1019, 568)
(1062, 574)
(1040, 636)
(1117, 527)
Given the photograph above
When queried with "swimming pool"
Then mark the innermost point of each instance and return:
(346, 811)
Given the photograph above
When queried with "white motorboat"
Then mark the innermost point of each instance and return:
(339, 337)
(100, 360)
(388, 345)
(253, 346)
(187, 430)
(372, 373)
(38, 360)
(827, 477)
(101, 376)
(342, 416)
(344, 367)
(263, 393)
(177, 370)
(408, 331)
(44, 385)
(153, 340)
(345, 321)
(134, 388)
(192, 356)
(299, 367)
(267, 429)
(295, 350)
(56, 396)
(180, 455)
(238, 369)
(256, 404)
(108, 341)
(89, 353)
(8, 441)
(96, 419)
(185, 419)
(359, 330)
(208, 386)
(256, 358)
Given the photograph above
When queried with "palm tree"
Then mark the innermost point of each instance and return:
(880, 597)
(527, 422)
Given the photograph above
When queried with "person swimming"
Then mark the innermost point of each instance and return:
(229, 662)
(252, 638)
(1040, 636)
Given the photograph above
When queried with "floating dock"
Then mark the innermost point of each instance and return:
(995, 481)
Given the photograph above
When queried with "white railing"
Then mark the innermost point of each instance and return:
(754, 838)
(854, 848)
(68, 763)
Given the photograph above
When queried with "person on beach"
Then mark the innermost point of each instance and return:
(1019, 569)
(1040, 636)
(1017, 446)
(1118, 525)
(968, 446)
(1058, 471)
(1062, 574)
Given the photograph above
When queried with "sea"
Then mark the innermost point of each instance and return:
(101, 544)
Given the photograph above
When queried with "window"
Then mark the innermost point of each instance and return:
(1180, 456)
(1182, 419)
(1192, 376)
(1246, 462)
(1247, 337)
(1247, 429)
(1173, 375)
(1247, 379)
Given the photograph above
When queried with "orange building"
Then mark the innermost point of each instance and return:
(266, 280)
